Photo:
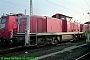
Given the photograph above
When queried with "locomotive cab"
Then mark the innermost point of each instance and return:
(7, 25)
(2, 26)
(2, 23)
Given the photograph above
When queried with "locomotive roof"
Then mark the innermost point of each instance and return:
(44, 17)
(63, 15)
(87, 22)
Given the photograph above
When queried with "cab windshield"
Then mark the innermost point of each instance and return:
(3, 20)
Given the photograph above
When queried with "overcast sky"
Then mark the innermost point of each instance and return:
(76, 8)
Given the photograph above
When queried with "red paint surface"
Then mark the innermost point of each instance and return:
(76, 27)
(9, 25)
(72, 26)
(44, 24)
(85, 27)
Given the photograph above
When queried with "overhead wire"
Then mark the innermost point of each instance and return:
(60, 6)
(68, 8)
(87, 3)
(22, 5)
(40, 10)
(73, 4)
(13, 7)
(41, 5)
(47, 6)
(13, 3)
(81, 12)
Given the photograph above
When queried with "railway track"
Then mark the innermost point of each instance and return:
(62, 51)
(39, 52)
(14, 48)
(7, 47)
(84, 57)
(4, 48)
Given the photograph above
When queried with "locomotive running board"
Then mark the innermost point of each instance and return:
(41, 34)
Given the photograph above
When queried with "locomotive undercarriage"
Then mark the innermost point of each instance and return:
(40, 39)
(44, 39)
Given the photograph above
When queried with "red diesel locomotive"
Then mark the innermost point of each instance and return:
(58, 23)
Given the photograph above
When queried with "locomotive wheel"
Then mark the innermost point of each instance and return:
(55, 41)
(7, 41)
(2, 41)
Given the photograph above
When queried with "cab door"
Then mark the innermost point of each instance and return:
(22, 25)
